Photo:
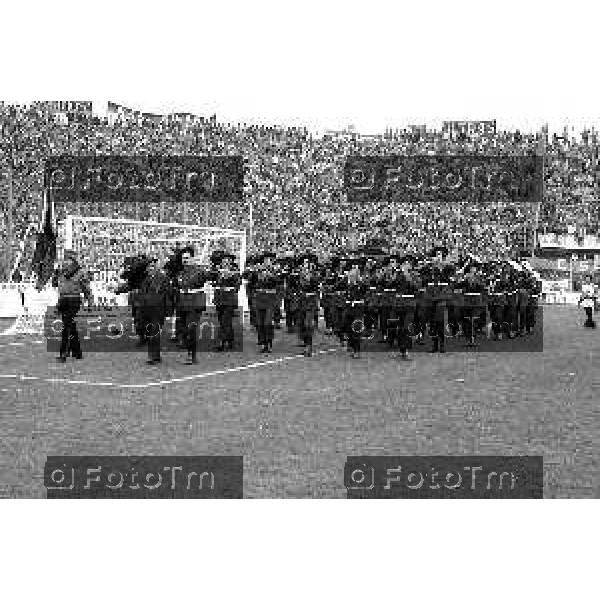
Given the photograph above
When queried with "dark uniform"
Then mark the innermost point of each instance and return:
(339, 287)
(472, 314)
(135, 271)
(266, 282)
(327, 295)
(226, 284)
(290, 295)
(155, 291)
(535, 289)
(356, 286)
(249, 277)
(307, 283)
(190, 303)
(71, 282)
(371, 274)
(437, 276)
(399, 305)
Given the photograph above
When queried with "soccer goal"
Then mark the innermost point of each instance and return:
(102, 244)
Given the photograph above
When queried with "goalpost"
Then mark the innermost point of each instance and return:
(103, 243)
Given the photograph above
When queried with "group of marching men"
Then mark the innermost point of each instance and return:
(156, 291)
(400, 299)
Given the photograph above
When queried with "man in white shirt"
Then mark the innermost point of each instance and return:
(589, 296)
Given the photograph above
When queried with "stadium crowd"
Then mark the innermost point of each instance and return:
(294, 181)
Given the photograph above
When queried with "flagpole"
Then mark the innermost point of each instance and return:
(251, 223)
(9, 220)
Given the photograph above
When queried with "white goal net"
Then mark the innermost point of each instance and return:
(102, 244)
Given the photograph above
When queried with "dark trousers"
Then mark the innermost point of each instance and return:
(225, 316)
(68, 307)
(277, 311)
(306, 324)
(189, 324)
(354, 326)
(419, 321)
(530, 318)
(472, 321)
(497, 318)
(328, 316)
(137, 321)
(371, 318)
(291, 315)
(437, 326)
(589, 321)
(510, 318)
(265, 325)
(338, 321)
(152, 330)
(455, 315)
(400, 323)
(252, 310)
(387, 320)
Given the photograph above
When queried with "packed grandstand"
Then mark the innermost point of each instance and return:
(294, 198)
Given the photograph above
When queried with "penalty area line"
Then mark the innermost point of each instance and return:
(149, 384)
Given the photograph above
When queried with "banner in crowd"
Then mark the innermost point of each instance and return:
(458, 128)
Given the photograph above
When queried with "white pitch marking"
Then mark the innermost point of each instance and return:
(168, 381)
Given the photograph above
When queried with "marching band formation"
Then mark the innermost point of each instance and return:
(393, 299)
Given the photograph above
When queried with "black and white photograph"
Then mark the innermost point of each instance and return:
(257, 251)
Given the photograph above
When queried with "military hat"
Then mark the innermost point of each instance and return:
(267, 254)
(357, 259)
(441, 249)
(388, 259)
(221, 256)
(413, 260)
(310, 256)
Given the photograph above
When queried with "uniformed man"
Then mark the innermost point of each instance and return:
(588, 299)
(385, 280)
(249, 277)
(356, 288)
(496, 300)
(307, 282)
(155, 291)
(438, 274)
(134, 272)
(226, 281)
(404, 285)
(339, 288)
(371, 273)
(327, 295)
(290, 296)
(72, 282)
(267, 282)
(190, 301)
(473, 287)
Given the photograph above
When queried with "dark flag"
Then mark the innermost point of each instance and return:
(45, 247)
